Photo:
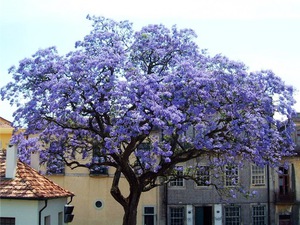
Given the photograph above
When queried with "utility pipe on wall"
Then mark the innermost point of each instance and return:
(40, 212)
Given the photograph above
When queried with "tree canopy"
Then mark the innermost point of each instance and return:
(119, 87)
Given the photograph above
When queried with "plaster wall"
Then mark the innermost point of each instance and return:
(24, 211)
(89, 189)
(5, 136)
(54, 207)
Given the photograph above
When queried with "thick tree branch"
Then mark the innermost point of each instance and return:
(115, 191)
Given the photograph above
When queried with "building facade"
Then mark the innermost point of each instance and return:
(277, 198)
(188, 203)
(28, 198)
(6, 131)
(94, 204)
(183, 202)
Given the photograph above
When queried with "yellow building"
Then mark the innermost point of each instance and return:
(5, 132)
(94, 203)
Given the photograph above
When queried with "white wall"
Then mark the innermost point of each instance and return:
(53, 208)
(25, 211)
(218, 214)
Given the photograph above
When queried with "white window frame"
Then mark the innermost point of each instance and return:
(231, 177)
(232, 215)
(172, 218)
(149, 214)
(258, 175)
(60, 217)
(179, 182)
(47, 220)
(256, 216)
(205, 177)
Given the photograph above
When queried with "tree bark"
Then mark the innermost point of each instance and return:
(130, 203)
(130, 210)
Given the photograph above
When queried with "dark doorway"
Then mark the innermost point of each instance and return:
(284, 184)
(203, 215)
(285, 220)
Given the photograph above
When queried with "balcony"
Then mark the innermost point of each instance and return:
(99, 171)
(285, 198)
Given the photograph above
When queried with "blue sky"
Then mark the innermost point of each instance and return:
(264, 34)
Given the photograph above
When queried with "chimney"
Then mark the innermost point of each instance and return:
(35, 160)
(11, 161)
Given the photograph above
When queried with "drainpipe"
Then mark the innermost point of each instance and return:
(269, 203)
(70, 200)
(295, 206)
(166, 203)
(40, 212)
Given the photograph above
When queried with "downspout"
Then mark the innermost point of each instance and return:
(295, 210)
(70, 200)
(40, 212)
(166, 203)
(269, 203)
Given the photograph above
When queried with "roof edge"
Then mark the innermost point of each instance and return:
(36, 198)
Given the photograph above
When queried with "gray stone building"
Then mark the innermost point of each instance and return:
(276, 202)
(188, 203)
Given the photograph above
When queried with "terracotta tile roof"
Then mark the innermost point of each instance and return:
(28, 183)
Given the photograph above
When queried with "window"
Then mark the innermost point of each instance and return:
(145, 146)
(203, 176)
(143, 153)
(231, 176)
(285, 220)
(178, 182)
(259, 215)
(97, 169)
(283, 179)
(7, 221)
(60, 218)
(232, 215)
(176, 216)
(298, 136)
(98, 204)
(186, 138)
(258, 175)
(47, 220)
(149, 215)
(55, 163)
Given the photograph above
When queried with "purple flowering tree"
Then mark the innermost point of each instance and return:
(119, 88)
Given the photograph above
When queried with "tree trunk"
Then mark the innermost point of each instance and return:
(130, 203)
(130, 210)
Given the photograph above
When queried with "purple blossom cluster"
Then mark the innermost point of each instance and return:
(118, 87)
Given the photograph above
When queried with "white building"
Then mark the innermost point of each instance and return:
(26, 197)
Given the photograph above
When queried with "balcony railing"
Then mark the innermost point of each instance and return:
(285, 198)
(98, 171)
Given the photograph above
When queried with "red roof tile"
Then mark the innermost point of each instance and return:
(28, 183)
